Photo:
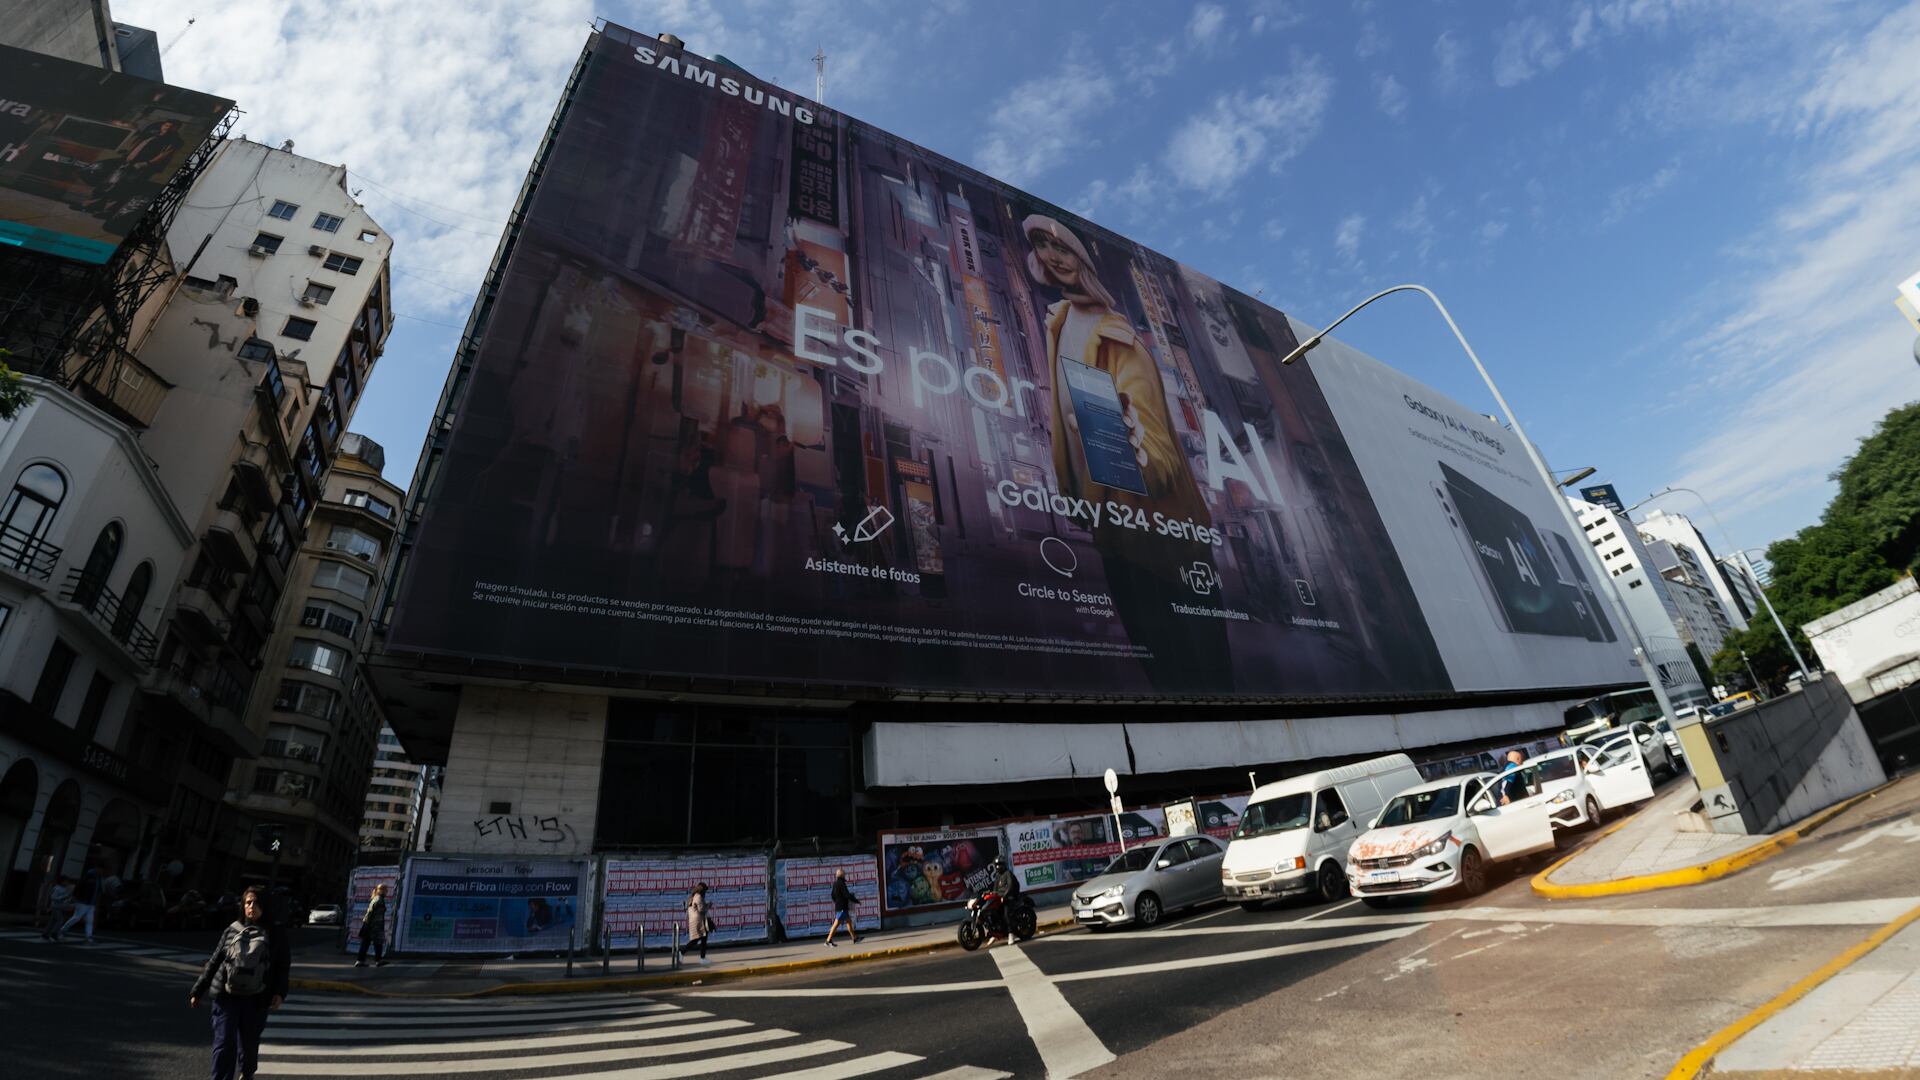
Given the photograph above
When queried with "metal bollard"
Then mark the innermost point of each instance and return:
(570, 934)
(606, 948)
(640, 947)
(676, 948)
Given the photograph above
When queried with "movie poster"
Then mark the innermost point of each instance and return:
(938, 868)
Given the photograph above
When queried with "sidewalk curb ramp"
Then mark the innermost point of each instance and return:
(1698, 1060)
(601, 984)
(1698, 872)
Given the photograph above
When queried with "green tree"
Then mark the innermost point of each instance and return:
(1879, 488)
(1764, 650)
(1825, 567)
(14, 394)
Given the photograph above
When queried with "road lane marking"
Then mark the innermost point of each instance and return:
(535, 1061)
(1067, 1046)
(1221, 910)
(291, 1020)
(1325, 910)
(854, 991)
(704, 1066)
(1217, 959)
(872, 1063)
(502, 1045)
(364, 1008)
(1793, 877)
(969, 1072)
(1832, 913)
(357, 1033)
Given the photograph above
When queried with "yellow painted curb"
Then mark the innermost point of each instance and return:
(1698, 872)
(684, 977)
(1700, 1057)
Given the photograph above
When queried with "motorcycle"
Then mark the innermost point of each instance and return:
(980, 924)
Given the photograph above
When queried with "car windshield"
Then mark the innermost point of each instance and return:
(1137, 859)
(1435, 805)
(1556, 768)
(1275, 815)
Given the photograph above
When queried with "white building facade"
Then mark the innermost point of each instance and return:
(1727, 578)
(1645, 594)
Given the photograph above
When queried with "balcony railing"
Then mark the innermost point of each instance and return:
(292, 751)
(26, 553)
(207, 682)
(89, 592)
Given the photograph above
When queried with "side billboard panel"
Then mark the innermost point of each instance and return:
(653, 893)
(803, 893)
(83, 151)
(461, 905)
(770, 394)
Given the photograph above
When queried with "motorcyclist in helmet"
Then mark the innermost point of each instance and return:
(1006, 888)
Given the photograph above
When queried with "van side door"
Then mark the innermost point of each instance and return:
(1333, 827)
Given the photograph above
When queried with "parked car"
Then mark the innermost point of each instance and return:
(324, 915)
(1443, 835)
(1581, 783)
(1148, 881)
(1653, 748)
(1672, 739)
(1294, 834)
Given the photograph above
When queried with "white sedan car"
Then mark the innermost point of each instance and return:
(1442, 835)
(1578, 785)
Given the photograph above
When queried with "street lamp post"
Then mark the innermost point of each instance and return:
(1640, 651)
(1746, 567)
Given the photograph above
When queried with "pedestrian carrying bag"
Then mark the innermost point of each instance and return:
(248, 959)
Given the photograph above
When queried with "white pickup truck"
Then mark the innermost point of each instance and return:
(1443, 835)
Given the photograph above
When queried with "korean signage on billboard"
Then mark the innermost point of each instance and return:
(83, 151)
(770, 394)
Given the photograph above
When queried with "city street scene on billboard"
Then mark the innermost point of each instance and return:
(770, 394)
(84, 151)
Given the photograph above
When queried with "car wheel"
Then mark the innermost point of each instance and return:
(1146, 910)
(1333, 883)
(1473, 872)
(1595, 817)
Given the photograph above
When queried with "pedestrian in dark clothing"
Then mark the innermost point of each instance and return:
(58, 897)
(85, 897)
(247, 976)
(843, 901)
(373, 929)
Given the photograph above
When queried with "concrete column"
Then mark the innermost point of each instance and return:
(523, 773)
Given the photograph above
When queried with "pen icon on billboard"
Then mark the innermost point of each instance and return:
(878, 520)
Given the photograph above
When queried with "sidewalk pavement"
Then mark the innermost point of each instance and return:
(1650, 842)
(1862, 1023)
(464, 976)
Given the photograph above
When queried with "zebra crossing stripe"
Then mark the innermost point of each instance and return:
(362, 1034)
(455, 1022)
(970, 1072)
(495, 1006)
(872, 1063)
(360, 1011)
(548, 1061)
(751, 1059)
(701, 1027)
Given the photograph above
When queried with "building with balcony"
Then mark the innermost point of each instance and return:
(1648, 598)
(1720, 574)
(312, 707)
(90, 543)
(401, 800)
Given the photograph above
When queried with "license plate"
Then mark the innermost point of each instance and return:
(1383, 877)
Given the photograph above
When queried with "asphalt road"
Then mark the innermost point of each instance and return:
(1503, 985)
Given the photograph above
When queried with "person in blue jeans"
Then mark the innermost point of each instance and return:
(247, 978)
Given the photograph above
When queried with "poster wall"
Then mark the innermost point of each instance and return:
(1061, 851)
(84, 151)
(458, 905)
(653, 893)
(803, 893)
(360, 885)
(937, 868)
(770, 394)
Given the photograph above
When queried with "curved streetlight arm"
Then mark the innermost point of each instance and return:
(1647, 667)
(1746, 567)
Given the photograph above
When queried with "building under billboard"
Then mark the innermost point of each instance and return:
(793, 481)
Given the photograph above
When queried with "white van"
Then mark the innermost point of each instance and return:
(1294, 834)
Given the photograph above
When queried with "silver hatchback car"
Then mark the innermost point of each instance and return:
(1149, 881)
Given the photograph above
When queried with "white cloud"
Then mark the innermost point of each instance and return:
(1041, 123)
(1274, 229)
(1390, 94)
(1269, 15)
(1450, 52)
(1525, 48)
(1346, 237)
(1207, 23)
(1627, 198)
(1372, 42)
(1214, 148)
(1416, 224)
(1492, 231)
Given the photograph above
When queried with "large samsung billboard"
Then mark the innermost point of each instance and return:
(84, 151)
(769, 395)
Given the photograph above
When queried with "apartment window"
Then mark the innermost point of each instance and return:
(368, 236)
(306, 699)
(295, 743)
(94, 705)
(299, 329)
(318, 293)
(53, 676)
(327, 223)
(1634, 584)
(283, 210)
(315, 656)
(343, 578)
(354, 543)
(28, 512)
(366, 501)
(255, 349)
(345, 264)
(267, 241)
(5, 613)
(329, 617)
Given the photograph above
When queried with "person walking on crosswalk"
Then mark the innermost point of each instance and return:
(699, 919)
(247, 977)
(373, 929)
(85, 897)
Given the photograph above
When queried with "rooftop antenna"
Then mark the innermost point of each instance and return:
(178, 36)
(820, 76)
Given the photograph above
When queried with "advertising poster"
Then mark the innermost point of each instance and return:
(803, 891)
(84, 151)
(1219, 815)
(360, 893)
(493, 906)
(1064, 850)
(937, 868)
(653, 893)
(1510, 587)
(770, 394)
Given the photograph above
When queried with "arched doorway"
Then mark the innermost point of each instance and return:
(56, 833)
(115, 836)
(17, 791)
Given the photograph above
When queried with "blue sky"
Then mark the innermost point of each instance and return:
(1672, 228)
